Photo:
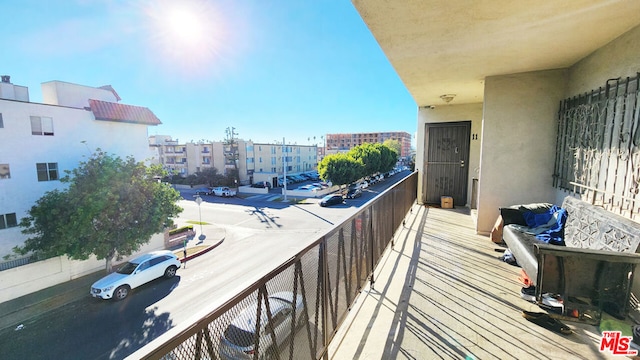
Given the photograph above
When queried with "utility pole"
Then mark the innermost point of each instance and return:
(233, 154)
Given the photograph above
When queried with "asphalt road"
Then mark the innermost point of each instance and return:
(260, 235)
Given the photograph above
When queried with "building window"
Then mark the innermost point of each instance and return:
(205, 150)
(205, 160)
(47, 171)
(273, 169)
(8, 221)
(259, 159)
(5, 171)
(41, 125)
(1, 122)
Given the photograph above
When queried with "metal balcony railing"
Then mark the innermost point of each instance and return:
(294, 311)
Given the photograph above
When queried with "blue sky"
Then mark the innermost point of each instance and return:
(271, 69)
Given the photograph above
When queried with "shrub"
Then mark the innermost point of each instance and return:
(180, 230)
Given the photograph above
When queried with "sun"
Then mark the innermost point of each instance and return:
(184, 24)
(187, 34)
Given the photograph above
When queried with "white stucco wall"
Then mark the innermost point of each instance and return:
(450, 113)
(22, 150)
(518, 141)
(73, 95)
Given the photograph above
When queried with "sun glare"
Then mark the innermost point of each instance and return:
(184, 25)
(189, 34)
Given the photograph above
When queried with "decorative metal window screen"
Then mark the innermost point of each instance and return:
(598, 146)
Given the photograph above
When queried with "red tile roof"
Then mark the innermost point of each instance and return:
(109, 111)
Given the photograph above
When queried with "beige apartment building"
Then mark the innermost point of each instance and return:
(255, 161)
(344, 142)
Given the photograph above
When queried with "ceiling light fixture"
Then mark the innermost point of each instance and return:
(447, 97)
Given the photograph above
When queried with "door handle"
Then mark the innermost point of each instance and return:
(461, 163)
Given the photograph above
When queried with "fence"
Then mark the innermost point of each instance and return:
(294, 311)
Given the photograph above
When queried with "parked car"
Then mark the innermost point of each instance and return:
(331, 200)
(223, 191)
(364, 184)
(353, 193)
(320, 185)
(308, 188)
(262, 184)
(281, 181)
(239, 338)
(135, 272)
(203, 191)
(314, 176)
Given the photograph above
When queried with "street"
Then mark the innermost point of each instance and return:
(259, 236)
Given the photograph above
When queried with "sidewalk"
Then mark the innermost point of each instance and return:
(17, 311)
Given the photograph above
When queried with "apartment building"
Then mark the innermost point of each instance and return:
(39, 141)
(255, 161)
(344, 142)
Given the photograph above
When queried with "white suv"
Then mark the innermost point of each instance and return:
(135, 272)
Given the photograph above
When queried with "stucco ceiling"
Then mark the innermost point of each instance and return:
(450, 46)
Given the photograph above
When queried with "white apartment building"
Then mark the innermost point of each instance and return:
(39, 141)
(255, 161)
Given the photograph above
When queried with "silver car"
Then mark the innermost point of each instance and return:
(135, 272)
(238, 340)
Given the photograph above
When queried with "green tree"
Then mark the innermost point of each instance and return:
(111, 207)
(393, 145)
(340, 169)
(210, 176)
(369, 155)
(388, 157)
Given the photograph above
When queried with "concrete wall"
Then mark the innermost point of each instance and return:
(29, 278)
(518, 141)
(619, 58)
(450, 113)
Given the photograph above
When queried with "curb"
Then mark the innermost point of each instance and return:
(204, 251)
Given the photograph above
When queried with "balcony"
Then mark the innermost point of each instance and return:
(396, 280)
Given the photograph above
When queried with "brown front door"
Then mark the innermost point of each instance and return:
(447, 162)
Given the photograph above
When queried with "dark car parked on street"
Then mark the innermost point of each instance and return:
(262, 184)
(331, 200)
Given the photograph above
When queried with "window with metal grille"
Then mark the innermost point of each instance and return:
(598, 145)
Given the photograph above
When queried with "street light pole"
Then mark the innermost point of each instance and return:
(284, 162)
(199, 201)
